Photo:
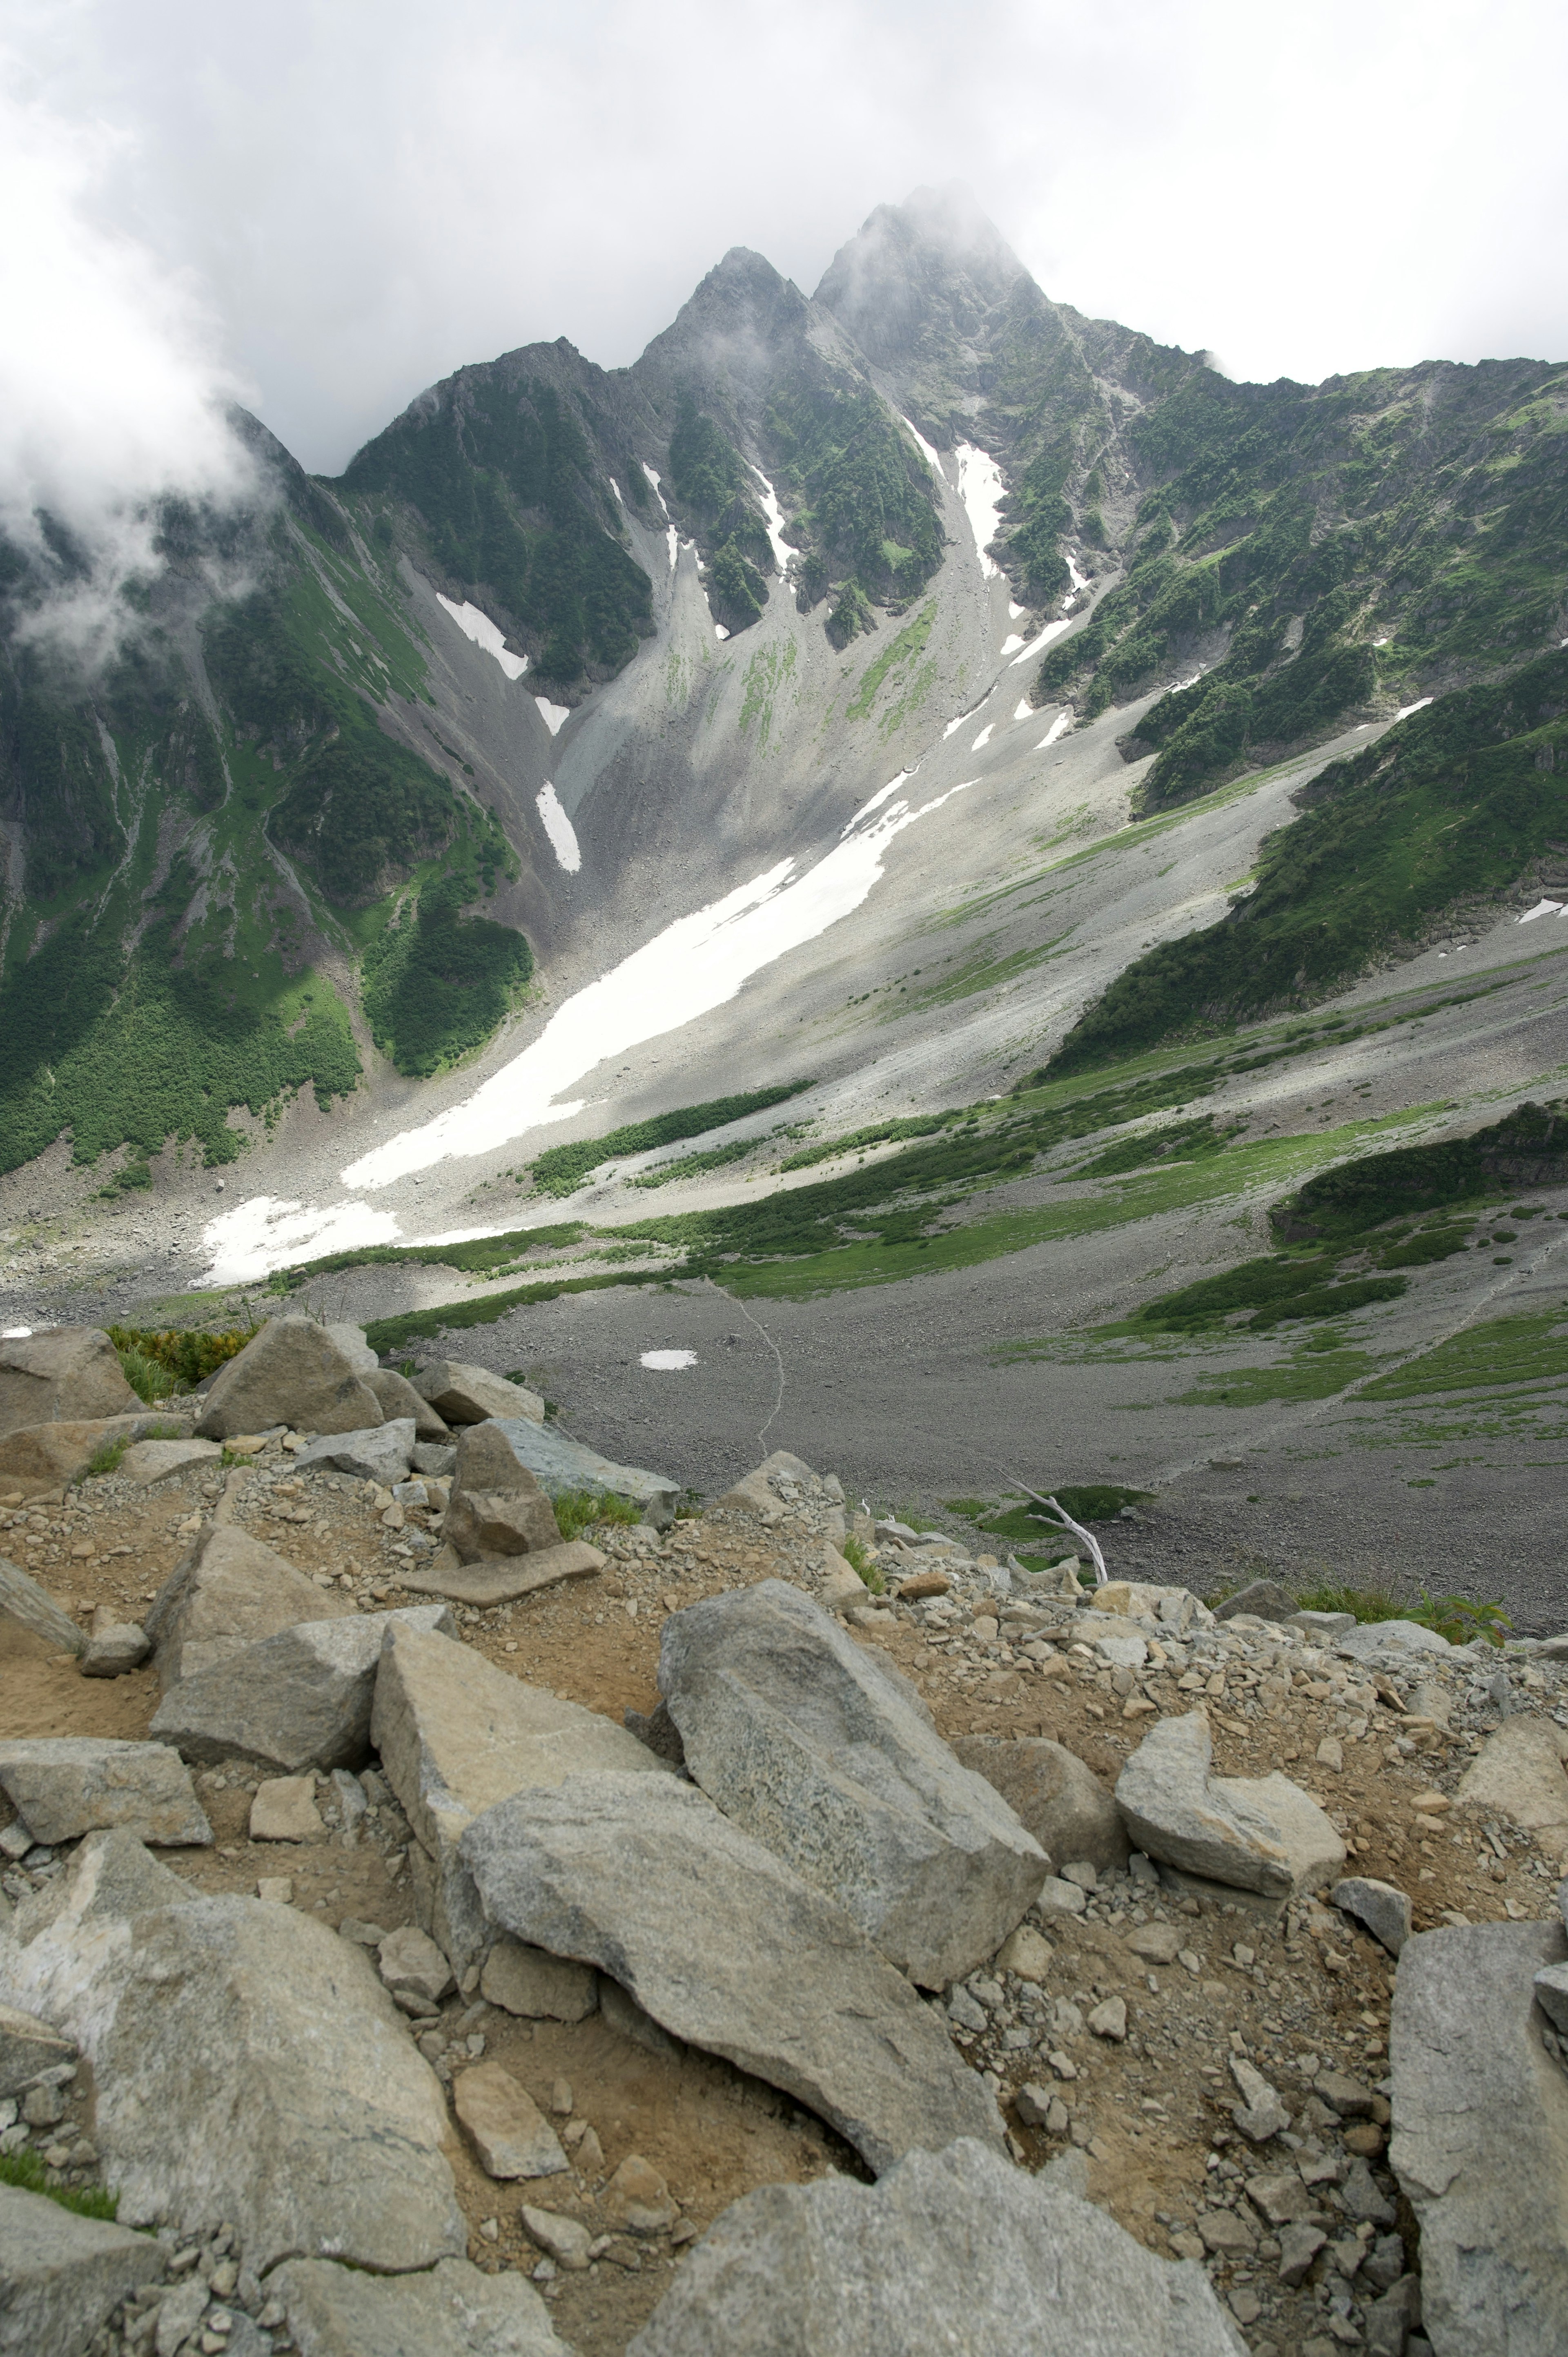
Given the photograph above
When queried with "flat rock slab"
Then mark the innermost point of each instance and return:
(1519, 1775)
(1265, 1834)
(1384, 1908)
(66, 1785)
(293, 1373)
(28, 2045)
(504, 1578)
(229, 1591)
(61, 2276)
(381, 1452)
(456, 2310)
(559, 1464)
(536, 1987)
(146, 1461)
(1480, 2138)
(249, 2068)
(24, 1601)
(463, 1393)
(301, 1699)
(67, 1373)
(1265, 1599)
(456, 1735)
(821, 1752)
(728, 1949)
(507, 2130)
(953, 2250)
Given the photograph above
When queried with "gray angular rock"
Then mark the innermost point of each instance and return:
(1253, 1833)
(1480, 2138)
(398, 1399)
(66, 1785)
(1383, 1908)
(65, 1375)
(953, 2250)
(463, 1393)
(62, 2276)
(480, 1523)
(537, 1986)
(293, 1373)
(1551, 1994)
(249, 2068)
(503, 1580)
(1265, 1599)
(1370, 1638)
(823, 1753)
(352, 1341)
(228, 1591)
(456, 2310)
(383, 1452)
(1361, 2198)
(1054, 1796)
(32, 1608)
(410, 1964)
(111, 1877)
(146, 1461)
(729, 1949)
(508, 2131)
(1323, 1626)
(487, 1462)
(301, 1699)
(27, 2046)
(560, 1464)
(456, 1735)
(1518, 1774)
(114, 1646)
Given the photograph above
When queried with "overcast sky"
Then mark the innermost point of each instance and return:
(329, 203)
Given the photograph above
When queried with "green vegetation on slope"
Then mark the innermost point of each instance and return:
(1456, 802)
(865, 508)
(561, 1169)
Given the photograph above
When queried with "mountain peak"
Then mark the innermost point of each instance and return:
(934, 264)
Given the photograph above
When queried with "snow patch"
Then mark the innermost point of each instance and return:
(1052, 630)
(616, 488)
(935, 464)
(559, 828)
(982, 490)
(983, 738)
(720, 631)
(1014, 639)
(1025, 709)
(1015, 613)
(657, 493)
(667, 1361)
(1077, 580)
(782, 552)
(954, 725)
(477, 625)
(673, 537)
(266, 1233)
(1406, 709)
(555, 716)
(1542, 908)
(16, 1334)
(1057, 728)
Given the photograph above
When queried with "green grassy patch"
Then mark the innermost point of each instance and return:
(1309, 1373)
(25, 2171)
(561, 1169)
(897, 656)
(385, 1334)
(1495, 1352)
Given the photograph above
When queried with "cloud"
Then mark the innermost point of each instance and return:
(113, 395)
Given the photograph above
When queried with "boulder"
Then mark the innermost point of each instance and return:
(1252, 1833)
(383, 1452)
(728, 1950)
(146, 1461)
(111, 1876)
(754, 1491)
(487, 1461)
(537, 1986)
(26, 2047)
(302, 1699)
(468, 1395)
(456, 1735)
(1174, 1611)
(502, 1580)
(1265, 1599)
(560, 1465)
(1552, 1995)
(249, 2069)
(480, 1523)
(62, 2276)
(1062, 1803)
(1324, 1628)
(24, 1601)
(953, 2250)
(67, 1374)
(398, 1399)
(1518, 1774)
(292, 1374)
(356, 1349)
(508, 2131)
(456, 2310)
(1383, 1908)
(227, 1592)
(47, 1455)
(66, 1785)
(1480, 2138)
(1398, 1639)
(114, 1646)
(821, 1750)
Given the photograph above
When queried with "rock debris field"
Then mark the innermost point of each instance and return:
(458, 1900)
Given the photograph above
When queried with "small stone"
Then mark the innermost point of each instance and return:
(43, 2107)
(27, 2046)
(1110, 2020)
(1226, 2235)
(1299, 2245)
(284, 1810)
(1158, 1943)
(561, 2099)
(277, 1888)
(1060, 1897)
(1282, 2199)
(1366, 2139)
(361, 1935)
(1081, 1872)
(527, 1981)
(1383, 1908)
(510, 2132)
(1034, 2105)
(1259, 2115)
(411, 1964)
(1024, 1952)
(1330, 1753)
(1361, 2198)
(1345, 2095)
(639, 2198)
(564, 2240)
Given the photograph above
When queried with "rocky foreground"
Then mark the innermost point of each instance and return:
(443, 1935)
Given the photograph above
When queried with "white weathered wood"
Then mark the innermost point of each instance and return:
(23, 1600)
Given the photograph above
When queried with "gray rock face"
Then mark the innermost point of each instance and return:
(456, 1735)
(1265, 1599)
(1519, 1773)
(468, 1395)
(1383, 1908)
(26, 2047)
(560, 1464)
(67, 1375)
(953, 2251)
(249, 2067)
(398, 1399)
(503, 1580)
(61, 2276)
(1371, 1638)
(65, 1785)
(487, 1462)
(825, 1754)
(1551, 1994)
(1480, 2138)
(383, 1452)
(1253, 1833)
(24, 1601)
(146, 1461)
(479, 1523)
(351, 1341)
(539, 1987)
(111, 1877)
(728, 1949)
(228, 1591)
(456, 2311)
(1053, 1795)
(292, 1374)
(302, 1699)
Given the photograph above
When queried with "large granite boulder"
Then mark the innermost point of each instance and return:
(821, 1750)
(480, 1523)
(1480, 2138)
(381, 1452)
(398, 1399)
(728, 1949)
(66, 1785)
(467, 1395)
(953, 2251)
(1518, 1775)
(1050, 1790)
(227, 1592)
(1261, 1834)
(560, 1465)
(64, 1375)
(293, 1373)
(41, 1456)
(456, 1735)
(456, 2310)
(248, 2068)
(301, 1699)
(62, 2276)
